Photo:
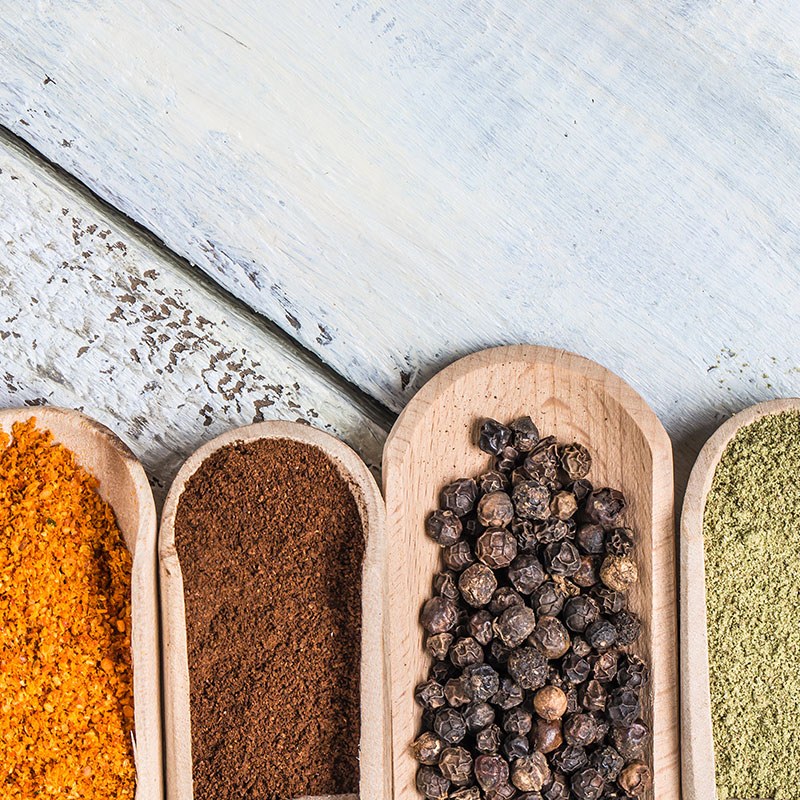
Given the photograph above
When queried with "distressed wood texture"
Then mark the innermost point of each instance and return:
(94, 316)
(397, 184)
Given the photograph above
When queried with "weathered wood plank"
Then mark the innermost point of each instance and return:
(97, 317)
(397, 184)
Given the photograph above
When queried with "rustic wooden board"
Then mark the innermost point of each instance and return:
(96, 317)
(433, 443)
(397, 184)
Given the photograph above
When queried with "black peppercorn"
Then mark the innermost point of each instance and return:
(430, 694)
(558, 788)
(619, 572)
(581, 489)
(601, 635)
(610, 602)
(457, 692)
(492, 481)
(550, 637)
(580, 612)
(459, 496)
(604, 666)
(608, 762)
(442, 671)
(576, 669)
(504, 598)
(483, 680)
(456, 765)
(547, 600)
(604, 506)
(543, 462)
(524, 531)
(593, 696)
(530, 773)
(466, 651)
(444, 584)
(628, 626)
(531, 500)
(563, 505)
(494, 436)
(477, 585)
(480, 628)
(508, 695)
(591, 539)
(495, 510)
(487, 740)
(580, 729)
(635, 779)
(449, 725)
(496, 548)
(588, 784)
(507, 459)
(547, 736)
(623, 707)
(458, 556)
(562, 558)
(570, 759)
(491, 771)
(526, 573)
(444, 527)
(528, 667)
(514, 625)
(499, 652)
(581, 647)
(575, 461)
(525, 434)
(515, 746)
(470, 793)
(588, 573)
(632, 672)
(439, 615)
(518, 721)
(432, 784)
(620, 542)
(438, 645)
(553, 530)
(478, 715)
(427, 748)
(550, 703)
(631, 740)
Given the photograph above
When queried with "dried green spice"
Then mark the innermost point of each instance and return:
(752, 555)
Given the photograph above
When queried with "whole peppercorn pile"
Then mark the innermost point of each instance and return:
(532, 693)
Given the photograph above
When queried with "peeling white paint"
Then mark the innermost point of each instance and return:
(94, 317)
(397, 184)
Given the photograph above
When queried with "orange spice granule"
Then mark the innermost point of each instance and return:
(66, 697)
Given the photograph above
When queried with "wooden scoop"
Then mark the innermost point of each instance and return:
(375, 774)
(434, 442)
(699, 779)
(123, 484)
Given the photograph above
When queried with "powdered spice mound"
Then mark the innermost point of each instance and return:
(66, 697)
(271, 546)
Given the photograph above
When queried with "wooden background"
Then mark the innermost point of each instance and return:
(303, 210)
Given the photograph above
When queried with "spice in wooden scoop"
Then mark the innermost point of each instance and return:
(66, 696)
(534, 691)
(751, 530)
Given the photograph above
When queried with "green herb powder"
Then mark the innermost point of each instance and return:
(752, 555)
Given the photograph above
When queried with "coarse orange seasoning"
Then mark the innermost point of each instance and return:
(66, 699)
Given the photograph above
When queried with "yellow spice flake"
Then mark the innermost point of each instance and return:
(66, 697)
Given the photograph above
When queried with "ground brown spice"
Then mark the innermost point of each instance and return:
(271, 546)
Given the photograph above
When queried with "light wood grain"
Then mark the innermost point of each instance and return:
(697, 742)
(95, 316)
(399, 183)
(433, 442)
(122, 484)
(375, 764)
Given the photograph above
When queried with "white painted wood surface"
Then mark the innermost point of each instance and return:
(400, 183)
(96, 317)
